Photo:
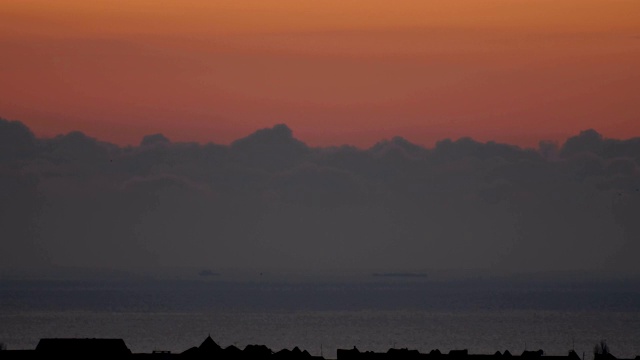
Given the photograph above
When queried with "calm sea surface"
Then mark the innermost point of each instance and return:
(481, 316)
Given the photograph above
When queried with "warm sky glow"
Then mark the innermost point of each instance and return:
(336, 71)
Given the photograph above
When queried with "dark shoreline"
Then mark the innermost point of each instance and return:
(92, 348)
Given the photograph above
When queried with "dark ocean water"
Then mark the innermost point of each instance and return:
(481, 316)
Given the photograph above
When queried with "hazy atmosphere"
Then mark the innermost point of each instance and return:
(314, 135)
(406, 179)
(269, 201)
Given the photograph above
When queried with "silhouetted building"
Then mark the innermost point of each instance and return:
(252, 352)
(116, 349)
(458, 353)
(89, 348)
(209, 347)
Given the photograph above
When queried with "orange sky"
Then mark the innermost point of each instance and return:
(335, 71)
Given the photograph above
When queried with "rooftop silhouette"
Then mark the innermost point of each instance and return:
(76, 348)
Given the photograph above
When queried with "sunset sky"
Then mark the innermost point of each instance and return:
(335, 71)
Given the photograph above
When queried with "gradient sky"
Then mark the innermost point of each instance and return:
(335, 71)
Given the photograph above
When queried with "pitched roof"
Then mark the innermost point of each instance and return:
(208, 345)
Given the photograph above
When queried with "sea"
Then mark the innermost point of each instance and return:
(483, 316)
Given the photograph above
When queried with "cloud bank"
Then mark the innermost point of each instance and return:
(270, 201)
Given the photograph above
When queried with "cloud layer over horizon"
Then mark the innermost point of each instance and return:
(268, 200)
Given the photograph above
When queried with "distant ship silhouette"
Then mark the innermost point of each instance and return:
(207, 272)
(401, 275)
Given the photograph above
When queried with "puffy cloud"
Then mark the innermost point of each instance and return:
(154, 139)
(398, 148)
(76, 147)
(270, 149)
(592, 142)
(589, 141)
(467, 147)
(269, 200)
(16, 140)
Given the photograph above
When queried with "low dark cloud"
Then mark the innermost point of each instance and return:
(16, 140)
(154, 139)
(591, 142)
(310, 185)
(268, 200)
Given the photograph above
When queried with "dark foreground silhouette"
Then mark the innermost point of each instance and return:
(209, 350)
